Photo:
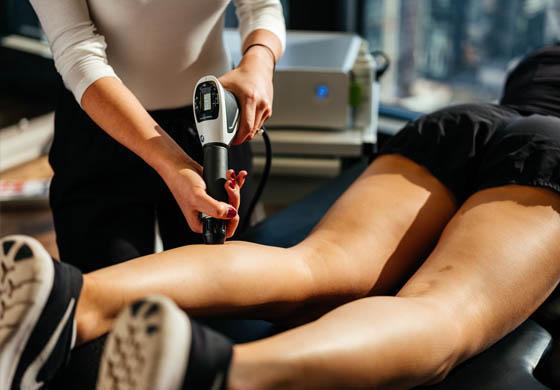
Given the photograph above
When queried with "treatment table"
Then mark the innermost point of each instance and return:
(526, 359)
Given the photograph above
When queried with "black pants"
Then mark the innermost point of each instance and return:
(105, 200)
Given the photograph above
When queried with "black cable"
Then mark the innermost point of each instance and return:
(382, 63)
(262, 183)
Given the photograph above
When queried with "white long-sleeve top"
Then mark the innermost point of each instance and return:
(158, 48)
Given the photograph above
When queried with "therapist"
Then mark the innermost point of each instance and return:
(126, 151)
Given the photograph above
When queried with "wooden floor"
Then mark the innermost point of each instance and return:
(32, 218)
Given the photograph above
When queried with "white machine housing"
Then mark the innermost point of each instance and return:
(209, 91)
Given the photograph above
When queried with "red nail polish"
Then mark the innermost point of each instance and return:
(232, 184)
(231, 212)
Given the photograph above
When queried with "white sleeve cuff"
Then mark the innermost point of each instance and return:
(89, 77)
(262, 14)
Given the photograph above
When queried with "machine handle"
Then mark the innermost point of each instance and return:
(214, 175)
(215, 167)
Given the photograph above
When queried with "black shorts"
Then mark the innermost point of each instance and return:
(471, 147)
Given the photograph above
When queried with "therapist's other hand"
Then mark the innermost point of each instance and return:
(251, 83)
(189, 190)
(233, 186)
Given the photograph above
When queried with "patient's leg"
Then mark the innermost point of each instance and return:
(371, 240)
(496, 261)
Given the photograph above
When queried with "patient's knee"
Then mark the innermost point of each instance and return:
(333, 272)
(445, 338)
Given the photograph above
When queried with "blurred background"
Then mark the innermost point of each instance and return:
(442, 51)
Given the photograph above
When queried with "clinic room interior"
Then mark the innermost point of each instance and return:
(307, 173)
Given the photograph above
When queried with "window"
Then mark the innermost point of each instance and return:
(453, 51)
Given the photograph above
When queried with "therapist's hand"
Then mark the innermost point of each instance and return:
(251, 83)
(189, 190)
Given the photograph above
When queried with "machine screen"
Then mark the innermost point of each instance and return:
(206, 101)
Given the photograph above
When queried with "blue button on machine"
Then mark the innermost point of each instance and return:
(321, 92)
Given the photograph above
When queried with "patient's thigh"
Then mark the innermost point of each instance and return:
(496, 262)
(380, 229)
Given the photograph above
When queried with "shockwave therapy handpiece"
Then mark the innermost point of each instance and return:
(216, 112)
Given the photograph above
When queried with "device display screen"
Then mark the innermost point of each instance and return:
(206, 101)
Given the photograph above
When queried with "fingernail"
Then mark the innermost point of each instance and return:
(232, 185)
(233, 175)
(232, 212)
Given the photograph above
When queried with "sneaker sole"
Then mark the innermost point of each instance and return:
(148, 348)
(26, 279)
